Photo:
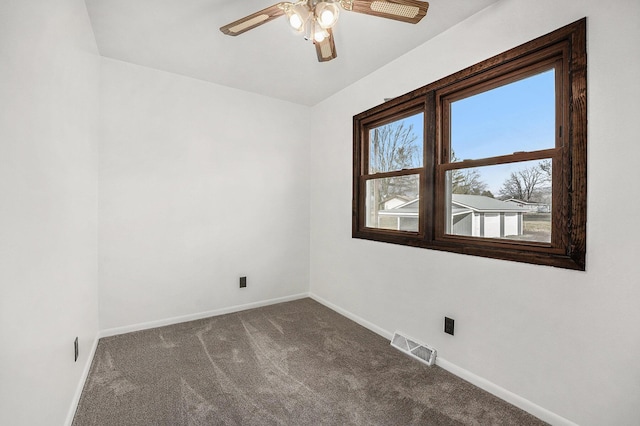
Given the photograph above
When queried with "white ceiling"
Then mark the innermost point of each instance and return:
(183, 37)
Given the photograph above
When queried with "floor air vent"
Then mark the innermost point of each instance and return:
(415, 349)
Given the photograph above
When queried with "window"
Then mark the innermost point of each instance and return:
(490, 161)
(395, 152)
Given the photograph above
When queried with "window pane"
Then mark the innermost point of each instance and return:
(519, 116)
(393, 203)
(511, 201)
(397, 145)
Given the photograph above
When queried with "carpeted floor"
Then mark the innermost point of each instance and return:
(295, 363)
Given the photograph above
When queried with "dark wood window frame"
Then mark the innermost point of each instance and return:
(564, 50)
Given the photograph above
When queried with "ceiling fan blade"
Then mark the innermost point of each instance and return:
(254, 20)
(411, 11)
(326, 49)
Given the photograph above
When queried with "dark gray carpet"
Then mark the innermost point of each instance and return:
(296, 363)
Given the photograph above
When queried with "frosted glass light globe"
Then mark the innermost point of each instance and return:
(326, 14)
(295, 21)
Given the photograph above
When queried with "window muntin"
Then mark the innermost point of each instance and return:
(560, 240)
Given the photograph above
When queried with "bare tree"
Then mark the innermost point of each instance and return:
(467, 181)
(524, 185)
(393, 148)
(545, 166)
(545, 193)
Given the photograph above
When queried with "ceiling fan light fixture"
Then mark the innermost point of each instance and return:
(326, 14)
(315, 19)
(319, 35)
(298, 15)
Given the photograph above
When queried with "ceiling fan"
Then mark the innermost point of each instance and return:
(316, 18)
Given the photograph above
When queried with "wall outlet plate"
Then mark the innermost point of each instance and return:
(243, 282)
(448, 325)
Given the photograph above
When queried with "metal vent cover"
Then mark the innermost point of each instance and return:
(413, 348)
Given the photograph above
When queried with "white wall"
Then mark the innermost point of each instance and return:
(199, 184)
(49, 82)
(567, 341)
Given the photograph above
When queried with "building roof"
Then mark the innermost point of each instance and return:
(409, 208)
(462, 203)
(529, 203)
(484, 204)
(399, 197)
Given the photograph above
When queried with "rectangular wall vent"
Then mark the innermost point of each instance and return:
(413, 348)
